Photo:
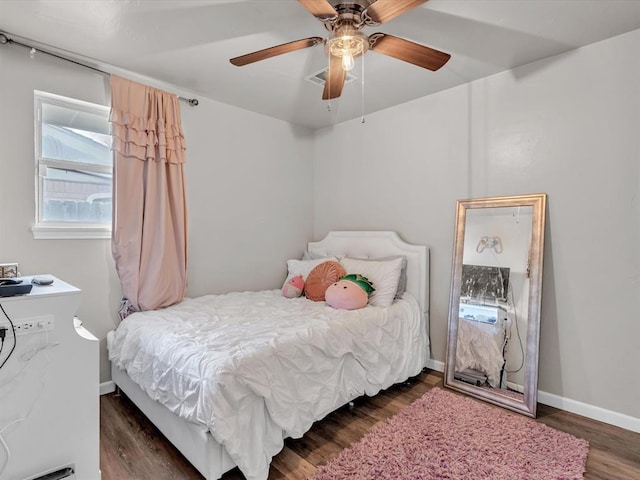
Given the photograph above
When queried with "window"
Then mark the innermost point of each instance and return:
(74, 168)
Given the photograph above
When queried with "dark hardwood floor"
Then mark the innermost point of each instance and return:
(131, 448)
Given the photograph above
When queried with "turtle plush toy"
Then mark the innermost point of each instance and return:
(349, 293)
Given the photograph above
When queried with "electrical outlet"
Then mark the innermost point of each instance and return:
(25, 326)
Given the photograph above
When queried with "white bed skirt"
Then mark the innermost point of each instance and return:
(191, 439)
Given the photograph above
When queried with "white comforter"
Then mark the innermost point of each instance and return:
(479, 348)
(256, 367)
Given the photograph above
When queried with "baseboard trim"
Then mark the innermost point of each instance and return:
(573, 406)
(436, 365)
(590, 411)
(107, 387)
(515, 387)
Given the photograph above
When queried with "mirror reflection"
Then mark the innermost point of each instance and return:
(493, 298)
(493, 318)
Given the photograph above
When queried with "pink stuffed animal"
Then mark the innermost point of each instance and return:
(349, 293)
(293, 288)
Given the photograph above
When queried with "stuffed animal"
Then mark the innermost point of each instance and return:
(293, 288)
(349, 293)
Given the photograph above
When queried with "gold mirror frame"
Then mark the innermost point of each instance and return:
(527, 402)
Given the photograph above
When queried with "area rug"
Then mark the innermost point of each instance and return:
(444, 435)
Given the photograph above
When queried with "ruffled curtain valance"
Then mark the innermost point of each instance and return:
(145, 122)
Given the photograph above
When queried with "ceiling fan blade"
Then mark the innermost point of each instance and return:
(384, 10)
(274, 51)
(407, 51)
(335, 79)
(321, 9)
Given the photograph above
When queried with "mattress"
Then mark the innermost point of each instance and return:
(255, 367)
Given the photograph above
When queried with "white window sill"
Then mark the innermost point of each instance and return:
(57, 232)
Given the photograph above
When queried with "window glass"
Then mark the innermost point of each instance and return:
(74, 162)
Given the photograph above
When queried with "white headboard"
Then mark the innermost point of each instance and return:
(375, 244)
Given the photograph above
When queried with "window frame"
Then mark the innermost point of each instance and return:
(42, 229)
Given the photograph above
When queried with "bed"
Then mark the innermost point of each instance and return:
(227, 398)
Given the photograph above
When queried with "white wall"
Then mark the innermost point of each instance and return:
(248, 184)
(567, 126)
(249, 194)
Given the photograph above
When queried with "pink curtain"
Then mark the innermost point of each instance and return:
(149, 239)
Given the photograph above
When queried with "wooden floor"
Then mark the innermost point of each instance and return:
(131, 448)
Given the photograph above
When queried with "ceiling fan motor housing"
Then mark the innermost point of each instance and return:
(347, 40)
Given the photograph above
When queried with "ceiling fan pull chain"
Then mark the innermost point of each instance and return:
(328, 80)
(362, 89)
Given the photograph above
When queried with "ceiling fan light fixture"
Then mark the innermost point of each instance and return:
(347, 44)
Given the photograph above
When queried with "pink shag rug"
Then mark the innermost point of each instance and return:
(448, 436)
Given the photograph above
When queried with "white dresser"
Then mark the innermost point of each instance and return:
(49, 387)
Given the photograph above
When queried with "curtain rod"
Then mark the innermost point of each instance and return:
(5, 39)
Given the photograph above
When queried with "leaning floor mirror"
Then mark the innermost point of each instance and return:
(494, 309)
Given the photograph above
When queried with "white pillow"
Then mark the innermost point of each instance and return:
(383, 274)
(402, 283)
(304, 267)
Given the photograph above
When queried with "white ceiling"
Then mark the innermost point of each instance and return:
(187, 43)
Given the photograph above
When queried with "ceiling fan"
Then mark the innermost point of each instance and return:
(344, 19)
